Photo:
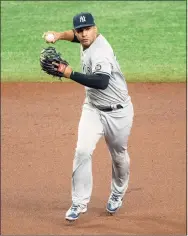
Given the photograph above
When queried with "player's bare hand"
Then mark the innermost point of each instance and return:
(51, 36)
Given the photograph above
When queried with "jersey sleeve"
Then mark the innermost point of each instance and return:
(75, 39)
(101, 63)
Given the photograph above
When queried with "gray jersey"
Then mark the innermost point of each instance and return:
(100, 58)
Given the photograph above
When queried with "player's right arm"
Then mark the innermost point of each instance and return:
(68, 35)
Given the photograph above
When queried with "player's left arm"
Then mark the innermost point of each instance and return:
(52, 63)
(96, 81)
(101, 71)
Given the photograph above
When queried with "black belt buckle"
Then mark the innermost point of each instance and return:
(119, 106)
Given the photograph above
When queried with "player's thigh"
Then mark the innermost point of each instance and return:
(90, 128)
(118, 128)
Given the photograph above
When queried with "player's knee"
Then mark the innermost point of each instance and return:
(121, 161)
(118, 150)
(118, 145)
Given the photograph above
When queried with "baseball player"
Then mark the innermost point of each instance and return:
(107, 111)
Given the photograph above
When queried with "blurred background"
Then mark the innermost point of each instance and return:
(148, 37)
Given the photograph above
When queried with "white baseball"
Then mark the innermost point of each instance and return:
(50, 38)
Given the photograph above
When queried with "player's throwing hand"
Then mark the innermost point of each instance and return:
(51, 36)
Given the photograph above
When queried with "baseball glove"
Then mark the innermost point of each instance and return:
(52, 63)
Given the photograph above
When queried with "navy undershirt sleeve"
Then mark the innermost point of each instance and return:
(96, 81)
(75, 39)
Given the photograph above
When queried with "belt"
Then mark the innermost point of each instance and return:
(110, 108)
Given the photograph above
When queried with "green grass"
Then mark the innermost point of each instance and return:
(149, 38)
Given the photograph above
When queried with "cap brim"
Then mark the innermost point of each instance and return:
(83, 26)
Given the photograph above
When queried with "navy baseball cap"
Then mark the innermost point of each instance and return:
(82, 20)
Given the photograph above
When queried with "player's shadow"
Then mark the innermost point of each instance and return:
(101, 209)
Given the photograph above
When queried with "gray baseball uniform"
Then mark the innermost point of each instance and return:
(115, 125)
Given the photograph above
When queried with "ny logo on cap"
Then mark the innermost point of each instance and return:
(82, 19)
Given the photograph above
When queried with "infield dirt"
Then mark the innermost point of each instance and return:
(39, 133)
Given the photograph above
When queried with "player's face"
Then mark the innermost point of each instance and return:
(86, 35)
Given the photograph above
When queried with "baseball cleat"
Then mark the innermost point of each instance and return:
(74, 211)
(114, 203)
